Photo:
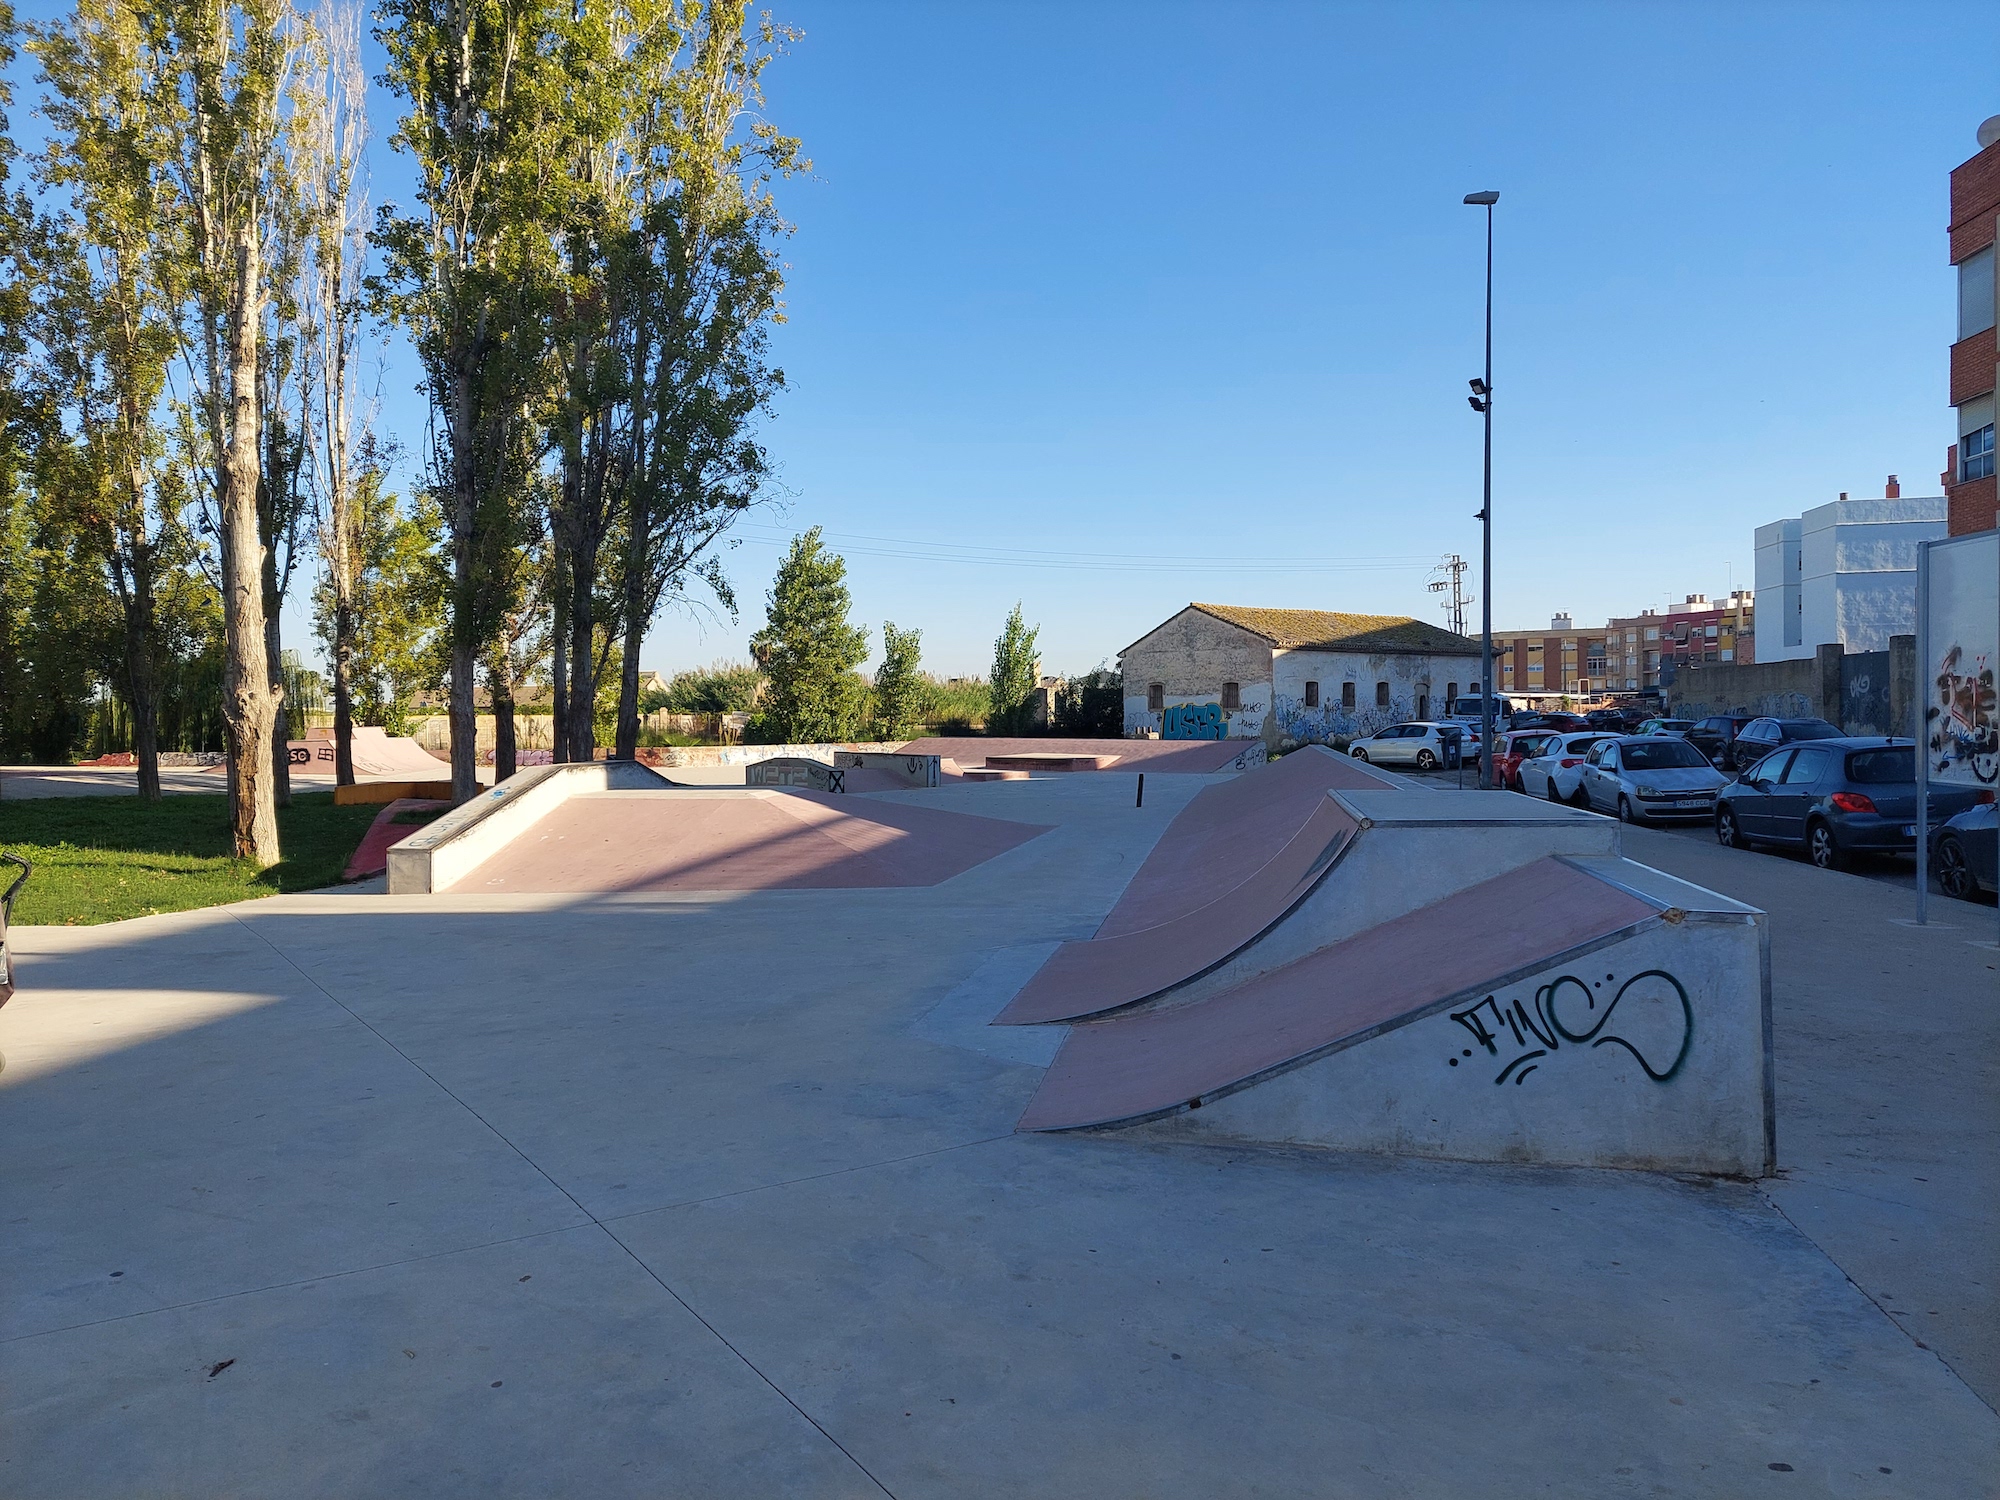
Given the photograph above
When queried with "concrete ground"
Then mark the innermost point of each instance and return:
(719, 1195)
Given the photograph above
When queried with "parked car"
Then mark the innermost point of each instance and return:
(1760, 737)
(1555, 771)
(1675, 727)
(1648, 778)
(1714, 735)
(1613, 719)
(1833, 798)
(1512, 748)
(1414, 744)
(1966, 856)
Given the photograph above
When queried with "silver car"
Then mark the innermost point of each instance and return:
(1649, 779)
(1553, 774)
(1415, 744)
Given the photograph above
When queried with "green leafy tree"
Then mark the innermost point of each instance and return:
(807, 650)
(399, 647)
(1091, 706)
(899, 687)
(1016, 671)
(726, 687)
(474, 276)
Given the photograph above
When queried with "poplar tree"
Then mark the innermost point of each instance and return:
(1015, 665)
(899, 691)
(104, 321)
(225, 67)
(470, 274)
(807, 649)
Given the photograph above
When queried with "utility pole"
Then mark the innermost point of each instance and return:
(1453, 568)
(1482, 402)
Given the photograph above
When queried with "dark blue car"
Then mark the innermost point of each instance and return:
(1833, 798)
(1965, 856)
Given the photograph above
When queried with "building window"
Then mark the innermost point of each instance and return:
(1975, 293)
(1450, 695)
(1975, 454)
(1232, 697)
(1381, 695)
(1312, 695)
(1156, 698)
(1347, 694)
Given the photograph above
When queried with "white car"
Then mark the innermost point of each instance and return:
(1554, 773)
(1416, 744)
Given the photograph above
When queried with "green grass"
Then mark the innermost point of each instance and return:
(102, 859)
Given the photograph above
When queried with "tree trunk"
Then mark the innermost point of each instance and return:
(144, 696)
(249, 706)
(464, 723)
(463, 710)
(559, 669)
(582, 656)
(343, 692)
(274, 653)
(635, 636)
(500, 685)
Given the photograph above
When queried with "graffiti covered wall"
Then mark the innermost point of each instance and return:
(1962, 613)
(1309, 704)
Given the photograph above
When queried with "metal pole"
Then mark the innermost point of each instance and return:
(1921, 748)
(1486, 538)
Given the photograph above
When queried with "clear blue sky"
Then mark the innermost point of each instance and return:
(1185, 298)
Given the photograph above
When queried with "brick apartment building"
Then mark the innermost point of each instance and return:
(1626, 654)
(1975, 207)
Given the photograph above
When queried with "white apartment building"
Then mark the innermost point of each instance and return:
(1844, 572)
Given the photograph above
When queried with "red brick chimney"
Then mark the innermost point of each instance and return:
(1892, 490)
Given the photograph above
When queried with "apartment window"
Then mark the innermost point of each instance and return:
(1975, 453)
(1347, 694)
(1312, 695)
(1156, 698)
(1232, 697)
(1975, 293)
(1381, 695)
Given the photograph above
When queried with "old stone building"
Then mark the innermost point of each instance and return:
(1223, 671)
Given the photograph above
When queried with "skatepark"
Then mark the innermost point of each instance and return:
(1288, 1129)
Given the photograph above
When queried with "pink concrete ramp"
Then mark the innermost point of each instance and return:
(1147, 1063)
(1236, 859)
(1177, 756)
(751, 840)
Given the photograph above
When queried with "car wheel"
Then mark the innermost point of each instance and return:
(1426, 761)
(1727, 833)
(1823, 849)
(1554, 795)
(1358, 753)
(1953, 870)
(1625, 812)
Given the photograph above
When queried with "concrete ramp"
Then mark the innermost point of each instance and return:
(1236, 859)
(1585, 1011)
(1277, 862)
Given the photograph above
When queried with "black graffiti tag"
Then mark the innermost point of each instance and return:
(1567, 1010)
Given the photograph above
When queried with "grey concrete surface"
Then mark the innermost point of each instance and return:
(724, 1193)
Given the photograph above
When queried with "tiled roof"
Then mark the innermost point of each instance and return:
(1332, 630)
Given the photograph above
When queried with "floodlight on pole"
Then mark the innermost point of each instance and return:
(1481, 400)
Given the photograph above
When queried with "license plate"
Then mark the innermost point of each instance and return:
(1696, 803)
(1909, 830)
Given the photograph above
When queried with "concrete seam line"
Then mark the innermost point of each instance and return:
(1793, 1224)
(543, 1173)
(770, 1187)
(279, 1286)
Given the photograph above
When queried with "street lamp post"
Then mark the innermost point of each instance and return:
(1482, 402)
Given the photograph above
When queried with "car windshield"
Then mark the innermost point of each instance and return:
(1887, 766)
(1667, 755)
(1809, 729)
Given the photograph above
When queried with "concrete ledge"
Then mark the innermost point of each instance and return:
(435, 857)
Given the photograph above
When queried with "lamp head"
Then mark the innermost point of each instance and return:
(1483, 200)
